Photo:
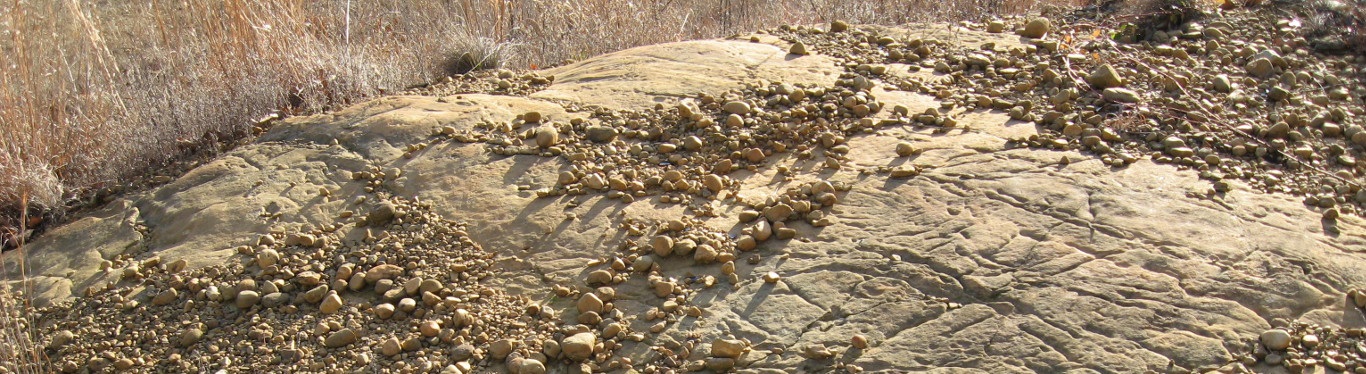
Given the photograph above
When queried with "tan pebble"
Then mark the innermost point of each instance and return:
(1276, 339)
(385, 271)
(728, 268)
(704, 254)
(762, 230)
(905, 149)
(429, 328)
(579, 347)
(746, 243)
(1036, 28)
(331, 304)
(247, 299)
(734, 120)
(590, 302)
(754, 155)
(859, 341)
(729, 348)
(736, 107)
(531, 117)
(798, 48)
(778, 213)
(662, 245)
(643, 264)
(190, 336)
(772, 277)
(165, 297)
(1359, 299)
(384, 311)
(390, 347)
(713, 183)
(748, 215)
(341, 338)
(547, 136)
(599, 277)
(531, 366)
(501, 348)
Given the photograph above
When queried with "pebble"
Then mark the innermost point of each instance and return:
(1276, 339)
(728, 348)
(1359, 297)
(385, 271)
(662, 245)
(547, 136)
(190, 336)
(390, 347)
(601, 134)
(839, 26)
(247, 299)
(1260, 67)
(1121, 95)
(772, 277)
(590, 302)
(165, 297)
(859, 341)
(996, 26)
(905, 149)
(384, 311)
(578, 347)
(331, 304)
(500, 349)
(1036, 28)
(1105, 76)
(532, 117)
(798, 48)
(531, 366)
(736, 107)
(341, 338)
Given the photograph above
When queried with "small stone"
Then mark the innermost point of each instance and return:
(1121, 95)
(384, 311)
(746, 243)
(590, 302)
(547, 136)
(462, 352)
(316, 294)
(502, 348)
(719, 364)
(859, 341)
(190, 336)
(1260, 67)
(728, 348)
(390, 347)
(382, 215)
(996, 27)
(839, 26)
(663, 245)
(1222, 83)
(532, 366)
(385, 271)
(267, 258)
(532, 117)
(778, 213)
(736, 107)
(124, 364)
(1276, 339)
(579, 347)
(772, 277)
(1036, 28)
(165, 297)
(798, 48)
(247, 299)
(905, 149)
(1105, 76)
(341, 338)
(1359, 298)
(331, 304)
(601, 134)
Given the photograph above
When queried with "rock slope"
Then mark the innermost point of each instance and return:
(833, 199)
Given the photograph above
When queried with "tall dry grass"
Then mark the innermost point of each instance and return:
(95, 96)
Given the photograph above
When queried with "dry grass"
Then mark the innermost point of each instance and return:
(96, 95)
(92, 97)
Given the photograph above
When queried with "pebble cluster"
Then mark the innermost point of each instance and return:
(1303, 347)
(405, 295)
